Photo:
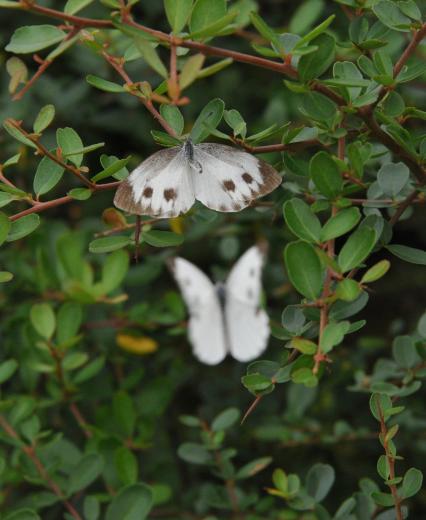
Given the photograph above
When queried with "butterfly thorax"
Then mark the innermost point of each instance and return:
(221, 293)
(188, 151)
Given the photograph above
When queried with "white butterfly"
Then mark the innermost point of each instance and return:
(225, 318)
(223, 178)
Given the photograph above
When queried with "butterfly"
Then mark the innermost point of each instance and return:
(168, 182)
(225, 318)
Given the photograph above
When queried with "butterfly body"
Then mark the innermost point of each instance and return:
(223, 178)
(226, 317)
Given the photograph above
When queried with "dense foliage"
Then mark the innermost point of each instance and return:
(104, 411)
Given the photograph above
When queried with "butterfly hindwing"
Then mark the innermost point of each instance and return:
(230, 179)
(161, 186)
(247, 324)
(206, 326)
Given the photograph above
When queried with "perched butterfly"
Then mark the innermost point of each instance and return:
(223, 178)
(225, 318)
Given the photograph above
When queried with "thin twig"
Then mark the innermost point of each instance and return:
(31, 454)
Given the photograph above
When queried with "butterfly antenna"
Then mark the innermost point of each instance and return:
(137, 237)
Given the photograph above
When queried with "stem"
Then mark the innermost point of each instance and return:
(43, 206)
(31, 454)
(45, 152)
(43, 66)
(115, 63)
(391, 463)
(230, 482)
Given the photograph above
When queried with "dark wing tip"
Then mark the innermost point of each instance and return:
(263, 246)
(171, 264)
(271, 178)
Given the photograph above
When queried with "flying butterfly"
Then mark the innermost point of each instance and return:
(168, 182)
(225, 318)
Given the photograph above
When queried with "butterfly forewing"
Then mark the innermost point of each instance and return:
(223, 178)
(247, 324)
(231, 179)
(206, 326)
(161, 186)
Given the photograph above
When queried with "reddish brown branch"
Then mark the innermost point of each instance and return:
(31, 454)
(410, 49)
(42, 67)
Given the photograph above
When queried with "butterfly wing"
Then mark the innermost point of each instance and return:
(247, 324)
(230, 178)
(206, 325)
(160, 187)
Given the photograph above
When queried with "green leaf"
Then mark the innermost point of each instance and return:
(70, 316)
(314, 64)
(206, 12)
(194, 453)
(131, 503)
(74, 6)
(5, 276)
(23, 227)
(43, 319)
(190, 70)
(256, 382)
(333, 335)
(377, 271)
(348, 290)
(411, 483)
(69, 142)
(5, 225)
(216, 28)
(86, 471)
(22, 514)
(235, 120)
(314, 33)
(114, 270)
(109, 160)
(16, 134)
(158, 238)
(150, 55)
(103, 84)
(304, 376)
(74, 360)
(91, 508)
(301, 220)
(253, 467)
(318, 107)
(17, 71)
(126, 465)
(110, 170)
(383, 499)
(177, 12)
(357, 248)
(44, 118)
(225, 419)
(319, 480)
(305, 346)
(305, 15)
(7, 369)
(80, 193)
(392, 178)
(33, 38)
(108, 244)
(124, 413)
(208, 119)
(325, 174)
(304, 269)
(379, 405)
(267, 32)
(12, 160)
(47, 176)
(390, 15)
(89, 371)
(408, 254)
(404, 352)
(341, 223)
(173, 116)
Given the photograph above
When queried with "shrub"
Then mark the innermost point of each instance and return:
(105, 413)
